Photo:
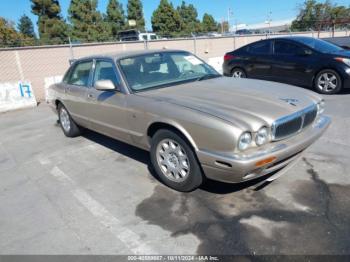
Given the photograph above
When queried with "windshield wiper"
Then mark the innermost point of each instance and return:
(209, 76)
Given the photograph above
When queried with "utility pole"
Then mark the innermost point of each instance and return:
(229, 14)
(268, 21)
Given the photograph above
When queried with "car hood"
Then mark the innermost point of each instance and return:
(239, 101)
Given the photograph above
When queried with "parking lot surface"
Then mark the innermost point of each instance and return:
(95, 195)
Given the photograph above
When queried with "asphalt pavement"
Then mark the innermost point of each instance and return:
(95, 195)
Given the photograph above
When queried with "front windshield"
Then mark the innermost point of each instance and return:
(164, 69)
(320, 45)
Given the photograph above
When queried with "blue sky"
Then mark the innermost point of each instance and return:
(244, 11)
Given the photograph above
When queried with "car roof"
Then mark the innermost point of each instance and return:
(121, 55)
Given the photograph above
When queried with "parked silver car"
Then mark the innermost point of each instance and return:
(195, 123)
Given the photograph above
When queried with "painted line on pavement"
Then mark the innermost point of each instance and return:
(131, 239)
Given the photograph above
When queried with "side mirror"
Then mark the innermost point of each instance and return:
(104, 85)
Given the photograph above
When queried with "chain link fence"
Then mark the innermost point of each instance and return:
(40, 64)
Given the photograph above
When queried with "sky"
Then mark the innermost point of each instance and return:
(244, 11)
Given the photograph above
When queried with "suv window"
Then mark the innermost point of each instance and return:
(79, 76)
(260, 48)
(286, 48)
(104, 70)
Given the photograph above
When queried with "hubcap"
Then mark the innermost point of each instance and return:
(64, 118)
(327, 82)
(237, 74)
(172, 160)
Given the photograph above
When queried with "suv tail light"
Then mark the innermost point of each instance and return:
(229, 57)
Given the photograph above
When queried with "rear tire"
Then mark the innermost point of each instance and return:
(328, 82)
(238, 73)
(175, 162)
(69, 127)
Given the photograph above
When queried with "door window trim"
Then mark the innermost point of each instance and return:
(120, 88)
(73, 67)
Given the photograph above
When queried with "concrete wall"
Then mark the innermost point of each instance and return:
(37, 63)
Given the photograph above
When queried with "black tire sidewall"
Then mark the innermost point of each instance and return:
(195, 177)
(339, 81)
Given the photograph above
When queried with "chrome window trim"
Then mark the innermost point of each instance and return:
(288, 118)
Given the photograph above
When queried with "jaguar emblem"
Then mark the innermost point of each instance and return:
(291, 101)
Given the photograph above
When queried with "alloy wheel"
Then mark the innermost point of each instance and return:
(173, 160)
(327, 82)
(65, 120)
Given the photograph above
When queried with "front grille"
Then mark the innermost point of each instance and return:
(310, 117)
(294, 123)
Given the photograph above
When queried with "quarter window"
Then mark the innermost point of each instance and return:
(80, 74)
(105, 71)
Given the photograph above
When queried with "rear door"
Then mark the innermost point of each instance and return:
(76, 86)
(108, 109)
(259, 60)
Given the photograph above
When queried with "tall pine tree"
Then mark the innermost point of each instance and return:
(52, 27)
(26, 27)
(115, 17)
(166, 19)
(209, 24)
(87, 22)
(135, 12)
(189, 16)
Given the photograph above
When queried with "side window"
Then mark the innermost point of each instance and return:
(104, 71)
(285, 48)
(79, 76)
(262, 48)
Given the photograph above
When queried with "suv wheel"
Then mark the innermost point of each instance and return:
(69, 127)
(175, 162)
(328, 82)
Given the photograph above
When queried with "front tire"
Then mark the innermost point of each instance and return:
(175, 162)
(328, 82)
(69, 127)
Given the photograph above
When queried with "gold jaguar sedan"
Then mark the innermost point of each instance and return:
(195, 123)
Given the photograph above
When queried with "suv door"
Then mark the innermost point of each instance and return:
(293, 63)
(108, 109)
(259, 60)
(76, 85)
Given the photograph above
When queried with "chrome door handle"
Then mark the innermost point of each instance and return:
(90, 96)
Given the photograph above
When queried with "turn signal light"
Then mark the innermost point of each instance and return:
(266, 161)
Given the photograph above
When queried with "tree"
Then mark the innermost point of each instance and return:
(52, 27)
(135, 12)
(26, 27)
(87, 22)
(115, 17)
(166, 20)
(318, 16)
(8, 34)
(189, 16)
(209, 24)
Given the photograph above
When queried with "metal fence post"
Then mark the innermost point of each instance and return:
(71, 49)
(194, 43)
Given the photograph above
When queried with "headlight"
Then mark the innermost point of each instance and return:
(262, 136)
(320, 107)
(244, 141)
(344, 60)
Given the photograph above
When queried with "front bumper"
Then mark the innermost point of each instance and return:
(242, 167)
